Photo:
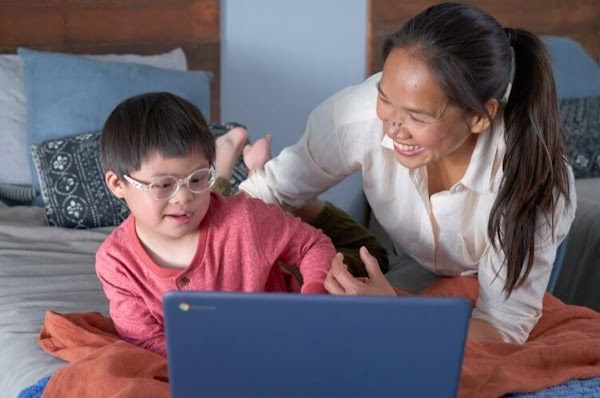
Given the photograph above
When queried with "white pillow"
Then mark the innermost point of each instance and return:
(14, 163)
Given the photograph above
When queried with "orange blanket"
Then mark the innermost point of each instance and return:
(564, 345)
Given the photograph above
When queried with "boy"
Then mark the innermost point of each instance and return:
(158, 156)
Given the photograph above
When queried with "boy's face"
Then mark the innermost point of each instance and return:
(164, 220)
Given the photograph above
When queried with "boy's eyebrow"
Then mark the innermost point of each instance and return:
(202, 166)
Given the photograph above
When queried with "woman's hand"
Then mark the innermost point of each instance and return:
(340, 281)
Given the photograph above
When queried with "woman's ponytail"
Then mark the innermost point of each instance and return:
(535, 168)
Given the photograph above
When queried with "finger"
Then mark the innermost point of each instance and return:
(350, 284)
(339, 260)
(378, 284)
(246, 148)
(371, 264)
(332, 286)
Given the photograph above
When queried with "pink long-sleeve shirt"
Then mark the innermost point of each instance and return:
(240, 243)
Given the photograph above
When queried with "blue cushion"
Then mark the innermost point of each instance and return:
(557, 266)
(575, 72)
(67, 94)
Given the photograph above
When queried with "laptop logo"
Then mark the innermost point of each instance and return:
(185, 307)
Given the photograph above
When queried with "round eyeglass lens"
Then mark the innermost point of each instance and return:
(200, 181)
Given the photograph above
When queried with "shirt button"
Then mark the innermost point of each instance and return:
(184, 281)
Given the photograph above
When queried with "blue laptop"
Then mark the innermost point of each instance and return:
(246, 345)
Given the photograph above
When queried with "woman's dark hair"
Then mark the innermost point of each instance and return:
(471, 56)
(151, 124)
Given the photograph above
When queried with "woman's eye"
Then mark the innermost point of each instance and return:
(416, 119)
(386, 102)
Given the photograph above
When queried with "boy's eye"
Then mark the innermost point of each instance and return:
(163, 184)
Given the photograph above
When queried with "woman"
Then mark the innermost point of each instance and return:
(462, 159)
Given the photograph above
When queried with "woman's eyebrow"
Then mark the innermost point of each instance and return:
(411, 110)
(380, 90)
(434, 115)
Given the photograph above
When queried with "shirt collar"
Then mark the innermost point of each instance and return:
(486, 159)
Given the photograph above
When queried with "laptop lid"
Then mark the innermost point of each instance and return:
(288, 345)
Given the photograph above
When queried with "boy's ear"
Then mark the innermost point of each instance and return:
(113, 183)
(479, 123)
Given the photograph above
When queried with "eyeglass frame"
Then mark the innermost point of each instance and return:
(180, 182)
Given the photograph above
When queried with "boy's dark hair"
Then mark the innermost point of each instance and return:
(471, 56)
(149, 124)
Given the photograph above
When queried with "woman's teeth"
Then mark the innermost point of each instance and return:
(407, 148)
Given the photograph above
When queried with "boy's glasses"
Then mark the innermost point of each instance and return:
(165, 187)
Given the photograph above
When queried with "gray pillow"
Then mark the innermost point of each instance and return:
(72, 181)
(580, 121)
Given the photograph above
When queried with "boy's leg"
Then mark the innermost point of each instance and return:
(229, 147)
(348, 237)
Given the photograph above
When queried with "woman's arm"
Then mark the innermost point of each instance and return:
(481, 330)
(340, 281)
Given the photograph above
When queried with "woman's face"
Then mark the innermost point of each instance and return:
(424, 126)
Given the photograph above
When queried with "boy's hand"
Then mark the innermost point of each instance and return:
(340, 281)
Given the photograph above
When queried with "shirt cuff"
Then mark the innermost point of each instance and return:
(313, 288)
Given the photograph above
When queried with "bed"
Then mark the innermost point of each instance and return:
(52, 267)
(44, 267)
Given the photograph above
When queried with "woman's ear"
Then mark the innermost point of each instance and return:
(113, 183)
(478, 123)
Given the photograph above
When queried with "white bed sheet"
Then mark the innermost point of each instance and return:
(41, 268)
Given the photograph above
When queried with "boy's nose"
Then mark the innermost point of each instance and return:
(184, 195)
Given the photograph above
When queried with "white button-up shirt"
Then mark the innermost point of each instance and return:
(445, 232)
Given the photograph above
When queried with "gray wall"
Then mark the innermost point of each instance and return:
(281, 58)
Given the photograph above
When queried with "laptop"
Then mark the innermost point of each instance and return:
(246, 345)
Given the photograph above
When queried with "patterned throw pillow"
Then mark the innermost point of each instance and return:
(580, 121)
(72, 181)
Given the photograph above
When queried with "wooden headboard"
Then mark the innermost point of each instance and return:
(117, 26)
(577, 19)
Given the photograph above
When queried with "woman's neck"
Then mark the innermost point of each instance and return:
(445, 173)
